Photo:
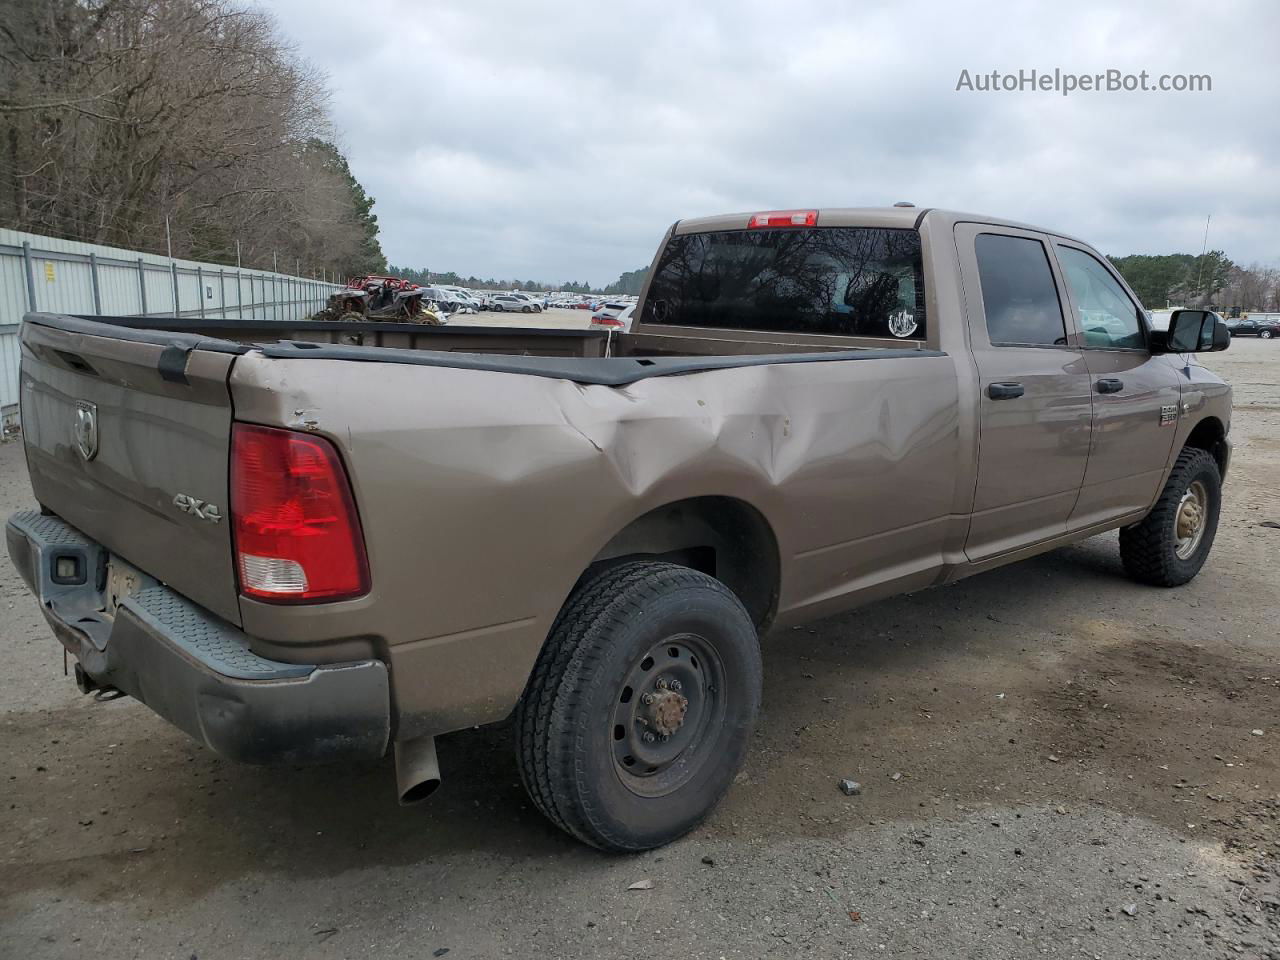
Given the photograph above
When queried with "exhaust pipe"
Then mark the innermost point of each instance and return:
(417, 770)
(85, 683)
(101, 692)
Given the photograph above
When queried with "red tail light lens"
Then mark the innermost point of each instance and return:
(605, 320)
(297, 534)
(785, 218)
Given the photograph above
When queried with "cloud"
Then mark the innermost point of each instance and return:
(560, 140)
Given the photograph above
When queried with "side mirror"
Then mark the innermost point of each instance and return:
(1196, 331)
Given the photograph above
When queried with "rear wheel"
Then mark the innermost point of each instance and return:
(1265, 334)
(1170, 545)
(640, 707)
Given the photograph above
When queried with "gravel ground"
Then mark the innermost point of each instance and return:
(1055, 762)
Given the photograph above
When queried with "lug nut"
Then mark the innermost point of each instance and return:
(666, 737)
(647, 699)
(675, 685)
(662, 683)
(649, 738)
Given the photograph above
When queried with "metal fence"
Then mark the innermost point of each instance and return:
(66, 276)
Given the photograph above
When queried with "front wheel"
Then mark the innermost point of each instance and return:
(640, 707)
(1265, 334)
(1171, 543)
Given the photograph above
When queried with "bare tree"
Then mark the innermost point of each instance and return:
(119, 115)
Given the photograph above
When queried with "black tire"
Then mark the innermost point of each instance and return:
(1265, 334)
(1150, 549)
(526, 309)
(569, 752)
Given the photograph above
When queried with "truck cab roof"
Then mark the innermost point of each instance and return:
(902, 218)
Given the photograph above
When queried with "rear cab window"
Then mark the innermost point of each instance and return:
(1019, 296)
(830, 281)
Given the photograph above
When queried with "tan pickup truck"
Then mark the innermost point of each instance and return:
(309, 542)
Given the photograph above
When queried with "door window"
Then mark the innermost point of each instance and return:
(1018, 292)
(1107, 316)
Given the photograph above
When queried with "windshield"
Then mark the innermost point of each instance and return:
(837, 281)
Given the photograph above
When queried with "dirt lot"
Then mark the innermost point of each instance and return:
(1055, 762)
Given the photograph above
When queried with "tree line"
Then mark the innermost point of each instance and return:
(189, 126)
(1209, 280)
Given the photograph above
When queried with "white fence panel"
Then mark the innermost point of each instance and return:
(8, 373)
(50, 275)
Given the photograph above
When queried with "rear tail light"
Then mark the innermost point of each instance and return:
(785, 218)
(605, 320)
(297, 534)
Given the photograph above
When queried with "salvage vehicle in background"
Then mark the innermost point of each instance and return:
(249, 527)
(614, 319)
(382, 298)
(448, 301)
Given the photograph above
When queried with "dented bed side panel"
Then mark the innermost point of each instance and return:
(485, 495)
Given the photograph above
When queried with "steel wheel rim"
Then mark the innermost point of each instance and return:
(1189, 520)
(680, 667)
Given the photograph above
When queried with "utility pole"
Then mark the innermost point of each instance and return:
(1203, 249)
(237, 253)
(168, 237)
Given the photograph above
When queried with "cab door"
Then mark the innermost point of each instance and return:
(1135, 394)
(1035, 403)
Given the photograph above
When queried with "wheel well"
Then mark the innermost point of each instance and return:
(1209, 434)
(720, 536)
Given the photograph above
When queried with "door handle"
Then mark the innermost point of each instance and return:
(1109, 385)
(1004, 391)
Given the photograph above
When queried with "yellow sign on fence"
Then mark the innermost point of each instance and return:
(48, 271)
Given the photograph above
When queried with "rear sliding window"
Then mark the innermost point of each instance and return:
(837, 281)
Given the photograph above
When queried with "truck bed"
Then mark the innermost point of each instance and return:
(582, 356)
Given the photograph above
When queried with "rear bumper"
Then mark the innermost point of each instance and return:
(197, 670)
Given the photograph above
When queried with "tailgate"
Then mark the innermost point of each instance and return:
(128, 436)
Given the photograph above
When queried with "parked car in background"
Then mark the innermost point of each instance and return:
(1264, 325)
(512, 303)
(530, 300)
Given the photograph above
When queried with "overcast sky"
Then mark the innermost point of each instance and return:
(558, 141)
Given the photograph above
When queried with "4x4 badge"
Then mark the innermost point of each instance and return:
(200, 509)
